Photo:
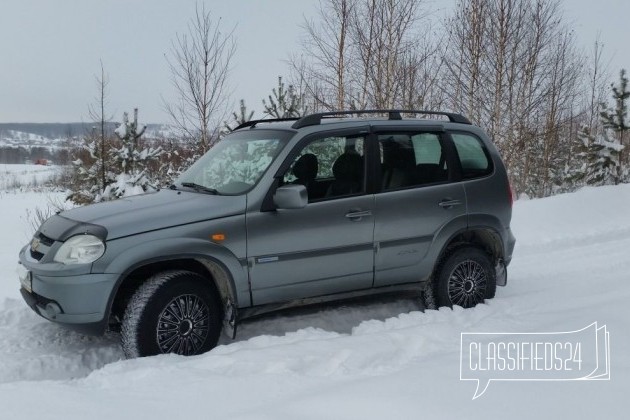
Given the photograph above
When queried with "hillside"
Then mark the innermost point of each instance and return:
(46, 134)
(22, 142)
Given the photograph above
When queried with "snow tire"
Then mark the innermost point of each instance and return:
(172, 312)
(466, 278)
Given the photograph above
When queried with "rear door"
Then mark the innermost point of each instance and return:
(419, 197)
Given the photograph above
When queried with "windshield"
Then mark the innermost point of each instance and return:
(235, 164)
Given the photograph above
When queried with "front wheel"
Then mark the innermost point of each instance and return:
(172, 312)
(466, 278)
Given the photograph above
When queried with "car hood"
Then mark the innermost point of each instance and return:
(142, 213)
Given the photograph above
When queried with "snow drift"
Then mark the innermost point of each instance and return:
(370, 359)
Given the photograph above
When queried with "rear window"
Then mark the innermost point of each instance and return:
(473, 155)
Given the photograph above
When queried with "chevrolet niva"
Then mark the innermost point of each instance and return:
(282, 213)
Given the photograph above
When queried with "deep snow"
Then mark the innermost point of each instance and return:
(25, 176)
(353, 360)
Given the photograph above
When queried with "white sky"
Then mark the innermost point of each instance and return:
(50, 50)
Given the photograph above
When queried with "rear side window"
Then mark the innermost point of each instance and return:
(411, 160)
(427, 148)
(473, 155)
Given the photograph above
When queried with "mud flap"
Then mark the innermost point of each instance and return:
(428, 297)
(229, 321)
(501, 273)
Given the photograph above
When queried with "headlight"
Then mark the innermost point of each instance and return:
(80, 249)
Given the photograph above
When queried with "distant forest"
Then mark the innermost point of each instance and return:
(73, 132)
(59, 130)
(12, 155)
(49, 130)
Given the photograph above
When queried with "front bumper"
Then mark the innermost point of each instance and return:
(79, 302)
(48, 310)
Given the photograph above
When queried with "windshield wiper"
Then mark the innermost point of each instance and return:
(199, 187)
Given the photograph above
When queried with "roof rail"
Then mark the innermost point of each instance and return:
(253, 123)
(393, 114)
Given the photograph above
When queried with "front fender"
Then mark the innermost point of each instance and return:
(129, 259)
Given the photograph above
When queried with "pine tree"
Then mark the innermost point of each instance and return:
(285, 102)
(244, 115)
(599, 159)
(616, 120)
(131, 161)
(89, 172)
(239, 118)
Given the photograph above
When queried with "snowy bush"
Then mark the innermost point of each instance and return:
(38, 215)
(123, 170)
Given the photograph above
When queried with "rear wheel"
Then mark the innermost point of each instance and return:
(172, 312)
(466, 278)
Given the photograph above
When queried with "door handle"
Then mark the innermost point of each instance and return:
(447, 203)
(356, 215)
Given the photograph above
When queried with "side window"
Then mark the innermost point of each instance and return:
(473, 156)
(427, 149)
(329, 167)
(410, 160)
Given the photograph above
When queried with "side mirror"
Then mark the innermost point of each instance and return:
(292, 196)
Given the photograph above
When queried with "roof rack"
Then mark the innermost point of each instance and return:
(393, 114)
(253, 123)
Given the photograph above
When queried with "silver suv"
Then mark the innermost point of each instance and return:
(282, 213)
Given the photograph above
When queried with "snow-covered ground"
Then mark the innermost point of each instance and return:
(22, 176)
(368, 360)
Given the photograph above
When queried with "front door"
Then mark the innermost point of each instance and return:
(327, 246)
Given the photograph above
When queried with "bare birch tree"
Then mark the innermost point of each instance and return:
(598, 76)
(386, 47)
(513, 68)
(367, 54)
(420, 70)
(467, 29)
(329, 45)
(200, 64)
(98, 115)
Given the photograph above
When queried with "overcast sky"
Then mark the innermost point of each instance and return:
(50, 50)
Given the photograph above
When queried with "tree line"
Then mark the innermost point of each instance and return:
(513, 67)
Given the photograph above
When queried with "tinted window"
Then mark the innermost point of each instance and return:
(329, 167)
(427, 149)
(410, 160)
(472, 155)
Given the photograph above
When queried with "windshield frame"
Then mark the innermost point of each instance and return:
(190, 174)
